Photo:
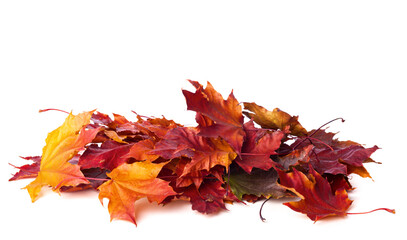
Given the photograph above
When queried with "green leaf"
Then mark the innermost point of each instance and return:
(258, 182)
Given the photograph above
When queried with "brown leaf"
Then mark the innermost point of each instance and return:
(275, 119)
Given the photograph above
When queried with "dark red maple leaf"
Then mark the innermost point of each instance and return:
(336, 161)
(208, 198)
(338, 182)
(317, 199)
(335, 157)
(225, 115)
(109, 155)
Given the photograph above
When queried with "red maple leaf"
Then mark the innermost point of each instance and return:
(336, 157)
(157, 126)
(208, 198)
(205, 153)
(109, 155)
(225, 115)
(257, 147)
(317, 199)
(27, 170)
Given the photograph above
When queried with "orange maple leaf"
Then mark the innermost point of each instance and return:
(140, 151)
(61, 145)
(129, 183)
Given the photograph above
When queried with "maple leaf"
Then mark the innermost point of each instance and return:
(101, 119)
(124, 127)
(338, 181)
(259, 183)
(61, 145)
(176, 168)
(142, 151)
(95, 176)
(294, 158)
(317, 199)
(28, 170)
(221, 160)
(339, 160)
(129, 183)
(257, 148)
(225, 115)
(108, 156)
(275, 119)
(114, 136)
(119, 120)
(158, 126)
(204, 152)
(332, 156)
(208, 198)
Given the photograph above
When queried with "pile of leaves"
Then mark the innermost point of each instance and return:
(224, 159)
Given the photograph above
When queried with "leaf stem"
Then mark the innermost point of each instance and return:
(140, 115)
(261, 209)
(333, 120)
(374, 210)
(308, 137)
(315, 139)
(52, 109)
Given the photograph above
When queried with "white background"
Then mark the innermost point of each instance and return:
(316, 59)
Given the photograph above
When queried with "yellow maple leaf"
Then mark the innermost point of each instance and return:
(61, 145)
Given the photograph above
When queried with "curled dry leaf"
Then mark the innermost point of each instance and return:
(276, 119)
